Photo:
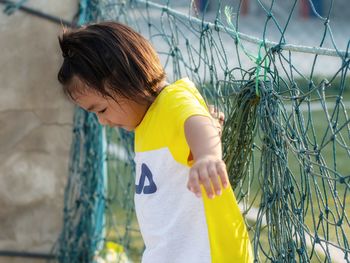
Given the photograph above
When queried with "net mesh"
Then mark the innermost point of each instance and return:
(286, 138)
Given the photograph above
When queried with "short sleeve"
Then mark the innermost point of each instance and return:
(182, 103)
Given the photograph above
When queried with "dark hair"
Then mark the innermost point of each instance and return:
(109, 57)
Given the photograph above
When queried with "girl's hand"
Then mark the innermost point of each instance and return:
(210, 172)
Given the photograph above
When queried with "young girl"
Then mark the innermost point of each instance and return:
(111, 70)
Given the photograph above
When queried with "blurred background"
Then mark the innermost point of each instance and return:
(36, 121)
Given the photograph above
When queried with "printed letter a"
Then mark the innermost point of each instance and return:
(148, 189)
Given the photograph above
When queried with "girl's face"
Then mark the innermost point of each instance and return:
(125, 113)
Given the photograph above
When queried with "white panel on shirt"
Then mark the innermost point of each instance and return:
(171, 218)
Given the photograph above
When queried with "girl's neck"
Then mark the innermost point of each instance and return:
(162, 85)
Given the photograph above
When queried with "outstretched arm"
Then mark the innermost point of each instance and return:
(208, 169)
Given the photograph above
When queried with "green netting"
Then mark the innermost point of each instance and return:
(286, 137)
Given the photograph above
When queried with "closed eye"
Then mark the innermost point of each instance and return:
(102, 111)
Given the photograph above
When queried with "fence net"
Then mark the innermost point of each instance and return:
(279, 72)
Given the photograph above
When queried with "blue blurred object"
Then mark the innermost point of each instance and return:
(318, 5)
(202, 5)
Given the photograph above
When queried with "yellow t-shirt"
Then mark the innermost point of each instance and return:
(176, 225)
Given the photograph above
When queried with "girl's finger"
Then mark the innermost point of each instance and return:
(205, 181)
(211, 109)
(214, 177)
(222, 172)
(193, 182)
(221, 118)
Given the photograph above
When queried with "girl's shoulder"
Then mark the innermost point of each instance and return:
(184, 84)
(181, 89)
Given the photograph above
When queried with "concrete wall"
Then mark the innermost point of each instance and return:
(35, 129)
